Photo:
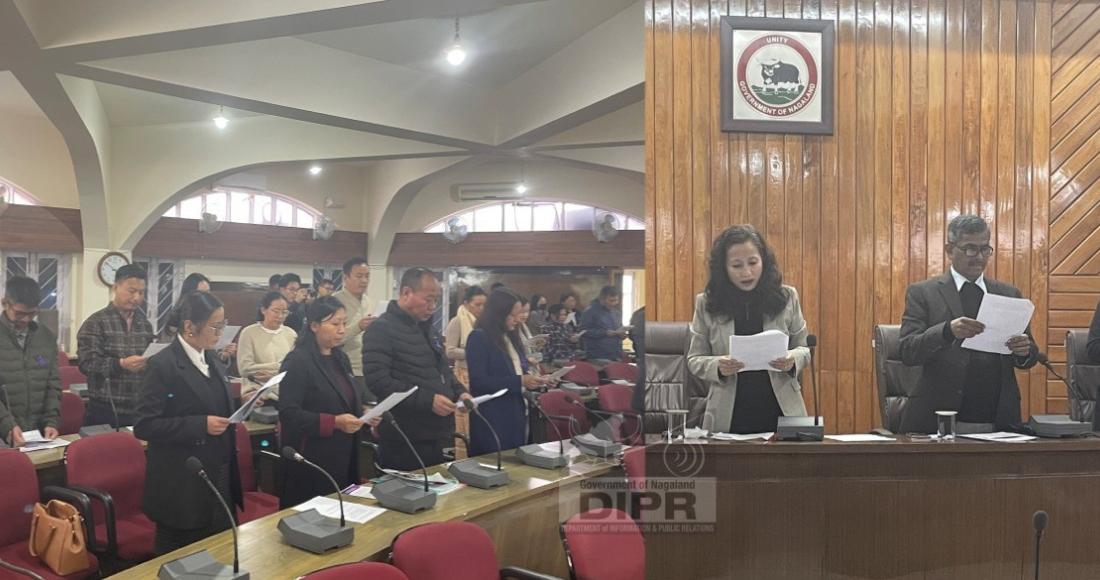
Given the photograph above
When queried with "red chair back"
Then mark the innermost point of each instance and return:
(71, 376)
(634, 465)
(19, 496)
(583, 374)
(244, 459)
(62, 359)
(358, 571)
(621, 371)
(113, 463)
(72, 413)
(604, 544)
(619, 399)
(446, 551)
(558, 402)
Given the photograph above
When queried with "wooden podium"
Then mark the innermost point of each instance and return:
(901, 510)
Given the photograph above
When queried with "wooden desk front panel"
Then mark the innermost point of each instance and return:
(888, 511)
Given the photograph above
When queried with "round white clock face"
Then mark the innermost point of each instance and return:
(109, 266)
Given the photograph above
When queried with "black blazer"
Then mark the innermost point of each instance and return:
(929, 306)
(171, 416)
(308, 397)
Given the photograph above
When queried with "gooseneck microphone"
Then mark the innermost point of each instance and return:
(195, 466)
(424, 470)
(1039, 521)
(496, 438)
(291, 455)
(811, 343)
(533, 398)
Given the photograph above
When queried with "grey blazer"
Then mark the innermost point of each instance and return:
(710, 342)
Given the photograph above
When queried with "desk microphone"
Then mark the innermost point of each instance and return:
(1039, 521)
(309, 530)
(1059, 425)
(533, 398)
(201, 564)
(395, 493)
(471, 472)
(811, 343)
(290, 454)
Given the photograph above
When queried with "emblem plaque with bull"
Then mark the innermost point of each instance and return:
(777, 75)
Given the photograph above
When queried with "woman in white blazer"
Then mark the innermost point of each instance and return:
(745, 295)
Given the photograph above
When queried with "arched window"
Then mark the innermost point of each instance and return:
(246, 206)
(13, 195)
(534, 216)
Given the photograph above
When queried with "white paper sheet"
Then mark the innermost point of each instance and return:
(859, 438)
(227, 336)
(483, 398)
(34, 436)
(555, 447)
(999, 436)
(240, 415)
(757, 350)
(558, 374)
(1003, 318)
(39, 446)
(739, 437)
(622, 382)
(154, 348)
(387, 404)
(379, 310)
(330, 508)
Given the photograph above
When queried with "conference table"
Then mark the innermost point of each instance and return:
(906, 509)
(522, 518)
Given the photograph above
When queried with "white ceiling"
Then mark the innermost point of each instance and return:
(126, 107)
(14, 100)
(501, 44)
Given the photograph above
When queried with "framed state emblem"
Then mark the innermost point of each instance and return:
(777, 75)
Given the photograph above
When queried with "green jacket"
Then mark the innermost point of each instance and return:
(32, 383)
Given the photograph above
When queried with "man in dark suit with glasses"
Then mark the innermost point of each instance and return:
(940, 313)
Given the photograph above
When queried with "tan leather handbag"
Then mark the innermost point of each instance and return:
(57, 538)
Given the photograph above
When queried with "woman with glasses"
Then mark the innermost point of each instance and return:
(264, 345)
(319, 405)
(184, 412)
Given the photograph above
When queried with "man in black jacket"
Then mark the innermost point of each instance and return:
(400, 351)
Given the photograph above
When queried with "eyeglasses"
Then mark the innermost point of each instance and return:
(972, 251)
(220, 327)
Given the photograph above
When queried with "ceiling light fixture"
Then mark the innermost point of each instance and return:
(456, 55)
(315, 169)
(521, 187)
(220, 121)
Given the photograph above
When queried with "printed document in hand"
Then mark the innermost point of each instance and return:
(228, 334)
(379, 310)
(154, 348)
(558, 374)
(241, 414)
(387, 404)
(330, 508)
(1003, 318)
(758, 350)
(483, 398)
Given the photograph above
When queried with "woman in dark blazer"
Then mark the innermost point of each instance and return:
(319, 406)
(183, 412)
(497, 360)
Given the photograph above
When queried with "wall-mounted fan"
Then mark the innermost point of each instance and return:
(324, 228)
(455, 232)
(606, 228)
(209, 223)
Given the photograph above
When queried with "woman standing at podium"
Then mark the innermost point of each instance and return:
(184, 412)
(744, 296)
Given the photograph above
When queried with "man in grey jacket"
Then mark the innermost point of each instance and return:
(30, 395)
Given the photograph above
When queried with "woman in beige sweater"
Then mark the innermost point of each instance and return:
(264, 345)
(460, 327)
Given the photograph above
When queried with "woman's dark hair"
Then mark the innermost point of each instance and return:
(535, 299)
(471, 293)
(522, 299)
(722, 296)
(319, 310)
(497, 309)
(266, 302)
(196, 307)
(555, 309)
(191, 283)
(566, 296)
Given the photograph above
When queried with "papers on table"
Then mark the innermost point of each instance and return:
(859, 438)
(555, 447)
(34, 441)
(387, 404)
(154, 348)
(330, 508)
(227, 336)
(758, 350)
(558, 374)
(241, 414)
(34, 436)
(1003, 318)
(379, 310)
(436, 483)
(999, 436)
(482, 399)
(739, 437)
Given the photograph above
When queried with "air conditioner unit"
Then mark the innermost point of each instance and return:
(501, 191)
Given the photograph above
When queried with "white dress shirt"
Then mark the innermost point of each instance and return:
(196, 357)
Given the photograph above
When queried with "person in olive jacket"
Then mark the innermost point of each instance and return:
(30, 390)
(402, 350)
(183, 412)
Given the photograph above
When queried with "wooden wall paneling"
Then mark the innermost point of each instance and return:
(936, 147)
(829, 252)
(536, 249)
(650, 160)
(663, 150)
(918, 217)
(682, 155)
(1003, 195)
(702, 123)
(30, 228)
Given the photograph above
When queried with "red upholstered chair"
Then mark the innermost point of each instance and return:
(62, 359)
(16, 502)
(72, 413)
(452, 551)
(560, 404)
(110, 469)
(358, 571)
(634, 465)
(619, 399)
(621, 371)
(257, 504)
(71, 376)
(583, 374)
(603, 544)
